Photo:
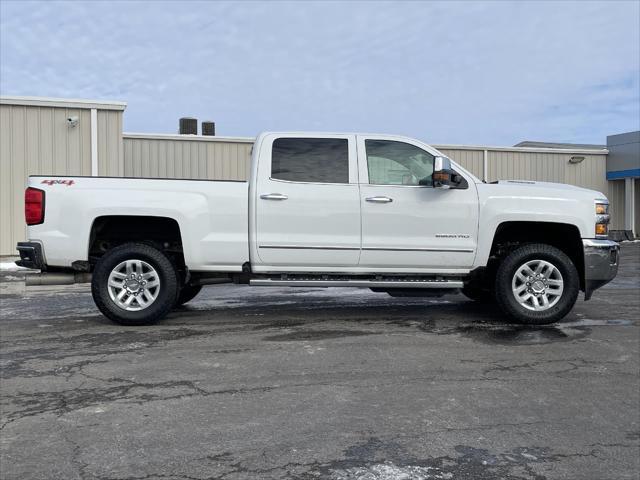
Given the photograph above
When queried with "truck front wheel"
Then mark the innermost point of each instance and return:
(134, 284)
(537, 284)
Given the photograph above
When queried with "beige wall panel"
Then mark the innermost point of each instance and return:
(590, 173)
(192, 159)
(6, 189)
(616, 204)
(36, 140)
(110, 146)
(548, 167)
(472, 160)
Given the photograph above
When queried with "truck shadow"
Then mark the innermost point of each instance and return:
(287, 321)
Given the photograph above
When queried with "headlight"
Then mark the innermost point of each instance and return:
(602, 219)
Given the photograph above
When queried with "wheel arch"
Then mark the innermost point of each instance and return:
(108, 231)
(564, 236)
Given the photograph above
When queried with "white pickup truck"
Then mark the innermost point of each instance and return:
(382, 212)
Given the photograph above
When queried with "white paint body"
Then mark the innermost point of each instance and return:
(319, 227)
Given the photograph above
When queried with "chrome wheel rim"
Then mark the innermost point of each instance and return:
(537, 285)
(134, 285)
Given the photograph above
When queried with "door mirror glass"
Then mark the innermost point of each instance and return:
(443, 174)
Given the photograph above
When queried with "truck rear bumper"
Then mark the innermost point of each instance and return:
(600, 264)
(31, 255)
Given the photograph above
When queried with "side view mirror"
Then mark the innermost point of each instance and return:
(443, 174)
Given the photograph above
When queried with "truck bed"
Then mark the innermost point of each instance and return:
(212, 215)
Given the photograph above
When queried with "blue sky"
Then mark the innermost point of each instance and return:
(458, 72)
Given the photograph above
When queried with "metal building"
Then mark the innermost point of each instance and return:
(83, 137)
(57, 137)
(623, 173)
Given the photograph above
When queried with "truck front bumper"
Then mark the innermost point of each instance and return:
(600, 263)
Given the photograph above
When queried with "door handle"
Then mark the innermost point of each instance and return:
(273, 196)
(379, 199)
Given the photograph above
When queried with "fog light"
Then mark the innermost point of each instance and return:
(601, 229)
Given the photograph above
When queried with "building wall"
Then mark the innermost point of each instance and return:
(471, 159)
(110, 144)
(616, 204)
(637, 206)
(624, 155)
(36, 139)
(175, 156)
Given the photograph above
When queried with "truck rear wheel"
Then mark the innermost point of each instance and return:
(537, 284)
(187, 293)
(134, 284)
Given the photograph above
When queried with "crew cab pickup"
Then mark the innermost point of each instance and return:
(383, 212)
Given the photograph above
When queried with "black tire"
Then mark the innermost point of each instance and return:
(187, 293)
(166, 295)
(507, 269)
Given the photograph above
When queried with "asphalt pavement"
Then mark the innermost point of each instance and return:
(319, 383)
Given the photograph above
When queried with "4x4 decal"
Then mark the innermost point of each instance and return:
(68, 183)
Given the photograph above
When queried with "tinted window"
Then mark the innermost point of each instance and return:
(398, 163)
(320, 160)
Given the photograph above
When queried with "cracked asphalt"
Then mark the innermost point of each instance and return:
(319, 383)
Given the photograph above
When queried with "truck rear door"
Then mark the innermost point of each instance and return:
(307, 201)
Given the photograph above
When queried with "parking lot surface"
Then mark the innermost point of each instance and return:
(319, 383)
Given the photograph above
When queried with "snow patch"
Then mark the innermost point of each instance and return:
(10, 267)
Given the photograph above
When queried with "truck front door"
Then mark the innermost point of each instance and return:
(406, 223)
(307, 202)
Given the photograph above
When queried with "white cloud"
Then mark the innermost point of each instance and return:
(464, 72)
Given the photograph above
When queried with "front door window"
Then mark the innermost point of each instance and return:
(398, 163)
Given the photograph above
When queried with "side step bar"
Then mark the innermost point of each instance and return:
(267, 282)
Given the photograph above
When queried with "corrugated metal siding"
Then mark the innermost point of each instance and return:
(188, 158)
(616, 204)
(36, 140)
(590, 173)
(110, 146)
(548, 167)
(636, 200)
(472, 160)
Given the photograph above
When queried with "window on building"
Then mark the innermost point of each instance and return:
(398, 163)
(317, 160)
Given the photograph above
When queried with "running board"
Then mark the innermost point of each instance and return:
(267, 282)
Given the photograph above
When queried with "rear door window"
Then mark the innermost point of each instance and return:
(311, 160)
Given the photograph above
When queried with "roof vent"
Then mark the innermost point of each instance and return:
(188, 126)
(208, 129)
